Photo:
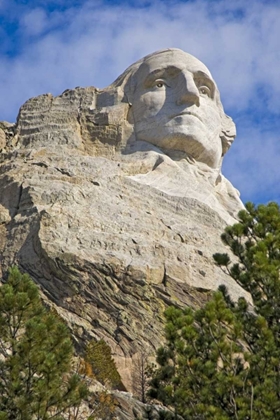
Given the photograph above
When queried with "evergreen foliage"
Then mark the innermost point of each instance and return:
(223, 361)
(104, 406)
(98, 355)
(35, 356)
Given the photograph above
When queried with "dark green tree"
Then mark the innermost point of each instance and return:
(223, 361)
(35, 355)
(203, 365)
(98, 355)
(255, 241)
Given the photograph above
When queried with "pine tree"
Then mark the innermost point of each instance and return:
(223, 361)
(255, 241)
(202, 366)
(35, 355)
(98, 355)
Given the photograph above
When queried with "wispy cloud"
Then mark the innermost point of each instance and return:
(52, 46)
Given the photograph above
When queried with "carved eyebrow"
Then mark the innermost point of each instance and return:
(200, 75)
(169, 71)
(172, 71)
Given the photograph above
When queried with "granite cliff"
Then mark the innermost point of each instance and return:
(112, 225)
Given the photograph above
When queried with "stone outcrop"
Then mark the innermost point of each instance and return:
(111, 228)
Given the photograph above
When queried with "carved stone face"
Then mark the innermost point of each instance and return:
(175, 106)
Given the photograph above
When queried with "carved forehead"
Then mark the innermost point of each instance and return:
(169, 62)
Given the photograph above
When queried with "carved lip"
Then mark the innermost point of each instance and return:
(186, 113)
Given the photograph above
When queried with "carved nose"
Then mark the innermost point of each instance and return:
(189, 93)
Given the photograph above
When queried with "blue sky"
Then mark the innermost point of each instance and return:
(49, 46)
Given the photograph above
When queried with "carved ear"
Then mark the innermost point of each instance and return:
(228, 132)
(129, 89)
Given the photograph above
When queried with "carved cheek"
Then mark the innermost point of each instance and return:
(148, 105)
(210, 115)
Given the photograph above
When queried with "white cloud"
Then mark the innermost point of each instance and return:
(93, 43)
(253, 163)
(34, 22)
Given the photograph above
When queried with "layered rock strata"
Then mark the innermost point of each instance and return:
(110, 227)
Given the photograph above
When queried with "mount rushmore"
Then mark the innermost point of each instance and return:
(113, 200)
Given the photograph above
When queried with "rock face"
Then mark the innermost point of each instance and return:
(111, 221)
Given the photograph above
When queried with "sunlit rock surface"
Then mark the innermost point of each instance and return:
(114, 226)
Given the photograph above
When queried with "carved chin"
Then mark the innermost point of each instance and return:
(191, 141)
(194, 143)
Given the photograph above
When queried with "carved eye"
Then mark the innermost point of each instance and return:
(159, 83)
(204, 90)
